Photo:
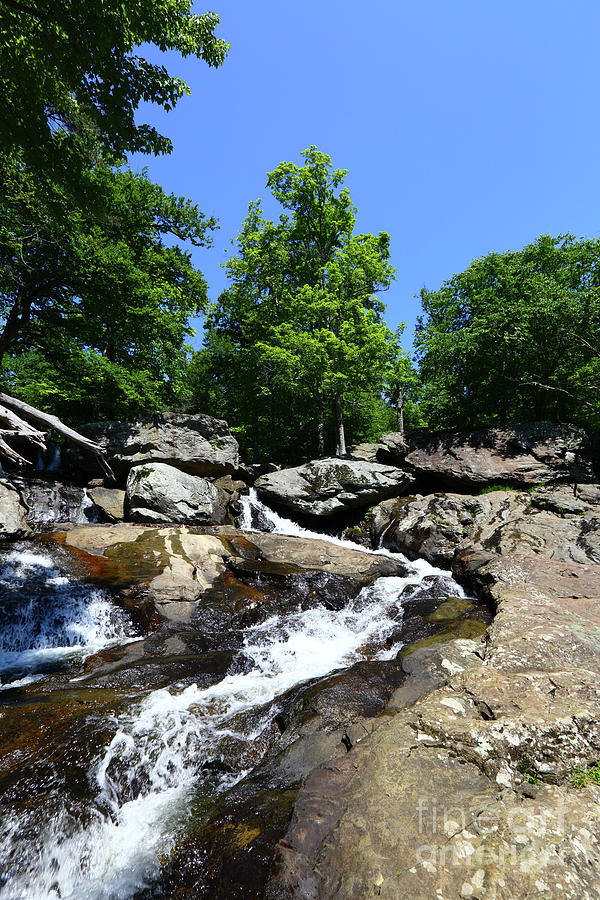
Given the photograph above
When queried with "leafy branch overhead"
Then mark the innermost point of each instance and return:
(72, 71)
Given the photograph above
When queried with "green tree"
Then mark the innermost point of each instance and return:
(515, 337)
(95, 288)
(94, 307)
(299, 337)
(73, 76)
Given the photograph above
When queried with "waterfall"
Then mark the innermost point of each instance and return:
(144, 776)
(49, 617)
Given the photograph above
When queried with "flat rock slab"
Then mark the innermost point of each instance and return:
(319, 555)
(177, 565)
(520, 455)
(197, 444)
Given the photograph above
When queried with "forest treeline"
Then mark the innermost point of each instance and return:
(98, 287)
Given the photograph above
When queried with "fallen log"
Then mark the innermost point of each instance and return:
(18, 427)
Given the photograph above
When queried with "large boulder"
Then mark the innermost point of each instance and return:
(553, 521)
(196, 444)
(326, 487)
(160, 493)
(520, 455)
(13, 513)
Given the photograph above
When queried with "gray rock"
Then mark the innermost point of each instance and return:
(110, 500)
(196, 444)
(433, 802)
(552, 522)
(520, 455)
(394, 447)
(55, 503)
(325, 487)
(368, 452)
(157, 492)
(13, 513)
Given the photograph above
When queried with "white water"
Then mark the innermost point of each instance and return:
(145, 775)
(48, 618)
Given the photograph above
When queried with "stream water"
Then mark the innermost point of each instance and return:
(141, 780)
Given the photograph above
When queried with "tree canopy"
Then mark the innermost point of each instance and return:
(515, 337)
(72, 72)
(94, 305)
(298, 338)
(96, 286)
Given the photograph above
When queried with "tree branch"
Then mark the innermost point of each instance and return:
(22, 7)
(37, 437)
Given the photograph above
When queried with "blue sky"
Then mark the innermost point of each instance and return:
(466, 126)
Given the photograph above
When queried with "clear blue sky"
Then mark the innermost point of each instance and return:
(466, 126)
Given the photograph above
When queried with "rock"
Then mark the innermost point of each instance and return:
(466, 791)
(326, 487)
(367, 452)
(157, 492)
(196, 444)
(110, 500)
(552, 521)
(51, 502)
(186, 574)
(316, 555)
(13, 513)
(520, 455)
(394, 447)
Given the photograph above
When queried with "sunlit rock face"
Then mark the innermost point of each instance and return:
(13, 513)
(157, 492)
(328, 487)
(198, 444)
(519, 455)
(557, 521)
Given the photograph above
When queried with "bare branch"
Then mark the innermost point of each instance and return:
(60, 427)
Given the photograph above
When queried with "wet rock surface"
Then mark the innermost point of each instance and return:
(444, 771)
(467, 791)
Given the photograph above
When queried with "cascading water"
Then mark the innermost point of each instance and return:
(145, 774)
(49, 617)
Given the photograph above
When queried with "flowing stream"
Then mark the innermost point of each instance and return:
(49, 617)
(142, 780)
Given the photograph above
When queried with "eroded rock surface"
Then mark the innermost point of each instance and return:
(197, 444)
(520, 455)
(176, 566)
(560, 522)
(468, 792)
(326, 487)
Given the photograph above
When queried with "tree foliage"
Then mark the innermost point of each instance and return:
(95, 288)
(298, 339)
(515, 337)
(95, 305)
(72, 71)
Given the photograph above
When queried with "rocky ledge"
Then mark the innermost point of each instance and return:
(483, 787)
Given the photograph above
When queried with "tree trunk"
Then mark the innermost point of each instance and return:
(320, 438)
(400, 411)
(340, 437)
